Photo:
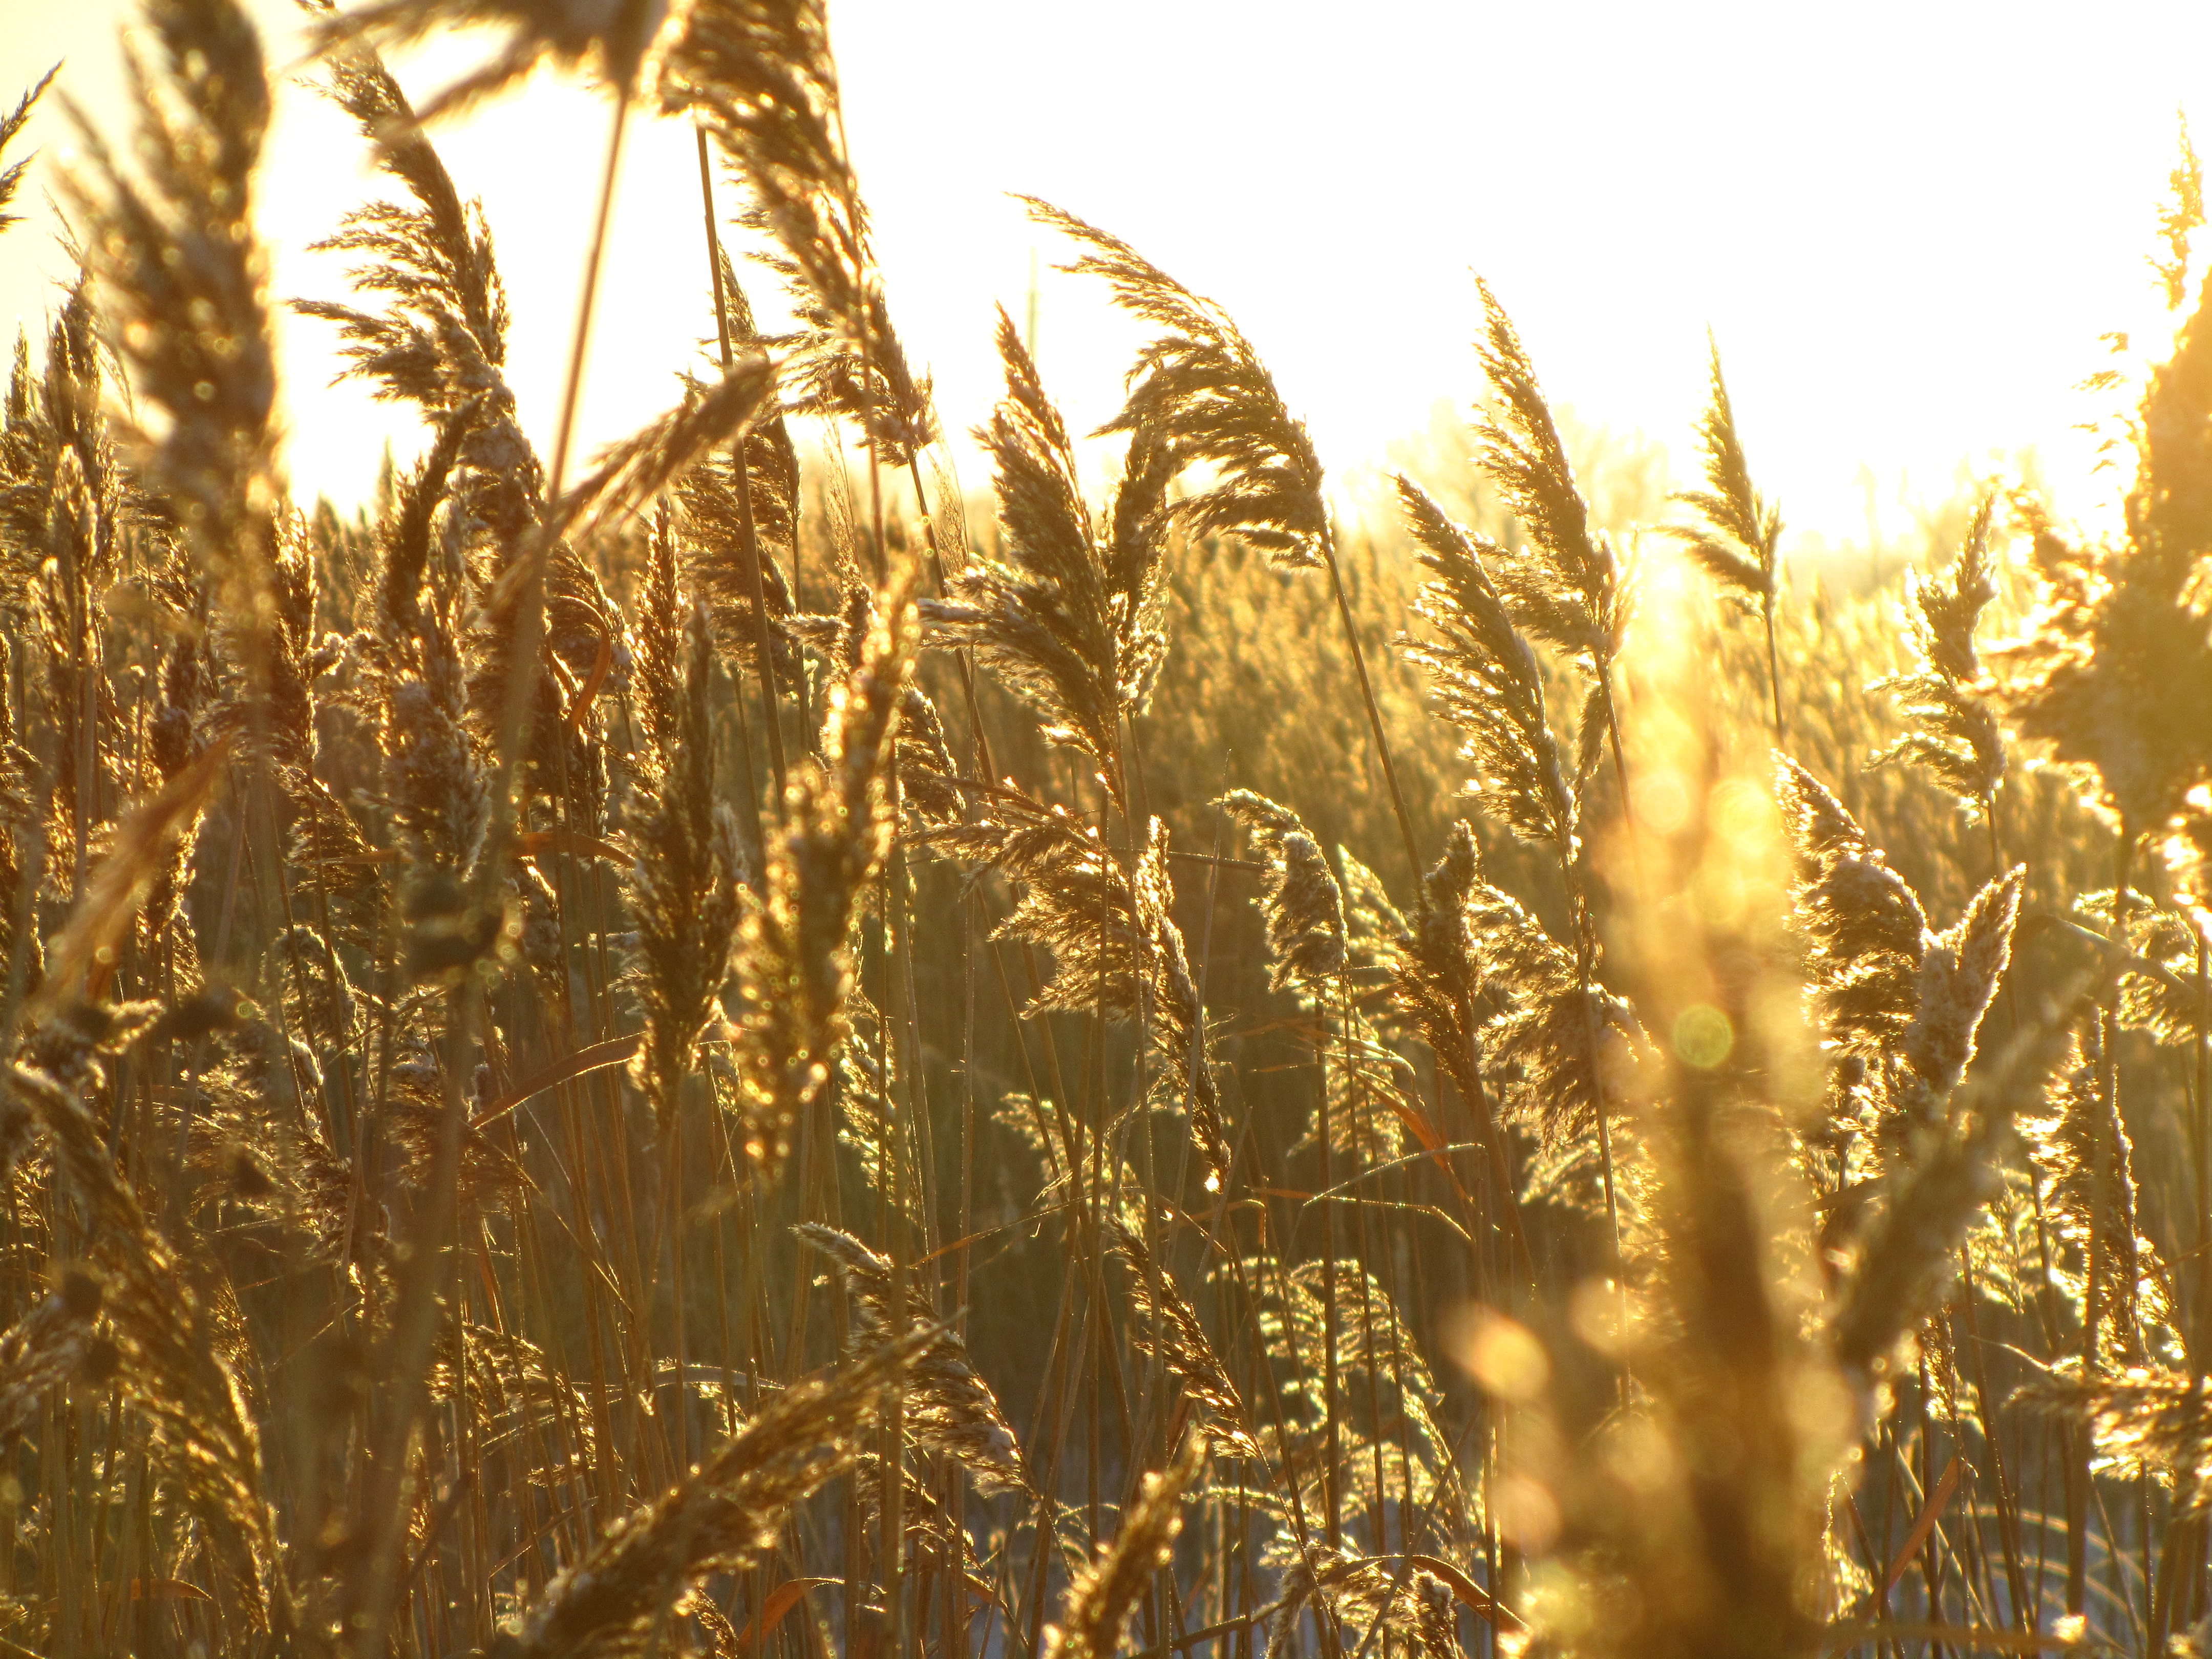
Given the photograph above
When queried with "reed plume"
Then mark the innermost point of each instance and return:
(1104, 1594)
(2144, 1419)
(688, 864)
(169, 1359)
(443, 1048)
(948, 1407)
(1115, 944)
(1486, 679)
(1737, 541)
(1565, 585)
(439, 342)
(2112, 671)
(724, 1514)
(1900, 1006)
(1202, 390)
(1199, 394)
(620, 40)
(1304, 906)
(2083, 1161)
(183, 280)
(1955, 735)
(1168, 1328)
(11, 127)
(795, 954)
(1068, 620)
(1556, 1023)
(760, 74)
(741, 518)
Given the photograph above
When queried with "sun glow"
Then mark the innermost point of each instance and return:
(1908, 261)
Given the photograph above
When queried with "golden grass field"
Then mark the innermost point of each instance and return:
(719, 1049)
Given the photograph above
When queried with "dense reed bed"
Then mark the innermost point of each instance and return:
(722, 1050)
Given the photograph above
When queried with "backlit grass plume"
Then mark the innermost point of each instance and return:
(11, 176)
(2114, 673)
(688, 863)
(1111, 932)
(1304, 906)
(1565, 585)
(949, 1408)
(167, 1358)
(761, 73)
(183, 280)
(1899, 1005)
(617, 38)
(1198, 394)
(492, 1108)
(1954, 733)
(1569, 1041)
(2153, 1420)
(2108, 1272)
(439, 342)
(1486, 679)
(1556, 1024)
(722, 1514)
(1737, 540)
(741, 515)
(1105, 1592)
(1069, 621)
(1182, 1346)
(1434, 971)
(795, 954)
(1201, 387)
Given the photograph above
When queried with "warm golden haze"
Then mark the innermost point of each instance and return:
(1910, 227)
(670, 1032)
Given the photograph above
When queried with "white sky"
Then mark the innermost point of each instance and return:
(1908, 223)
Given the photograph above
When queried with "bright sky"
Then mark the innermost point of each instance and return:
(1908, 223)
